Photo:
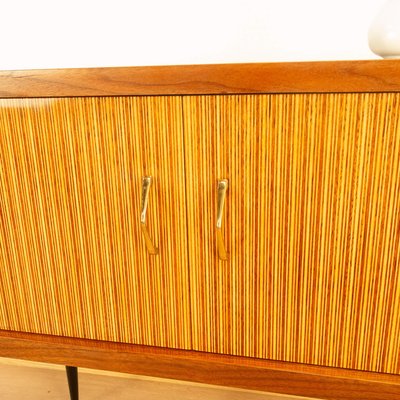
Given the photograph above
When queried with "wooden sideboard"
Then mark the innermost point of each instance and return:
(308, 300)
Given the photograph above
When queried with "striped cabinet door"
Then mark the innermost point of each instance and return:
(73, 260)
(311, 223)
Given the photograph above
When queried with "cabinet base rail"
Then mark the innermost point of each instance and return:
(243, 372)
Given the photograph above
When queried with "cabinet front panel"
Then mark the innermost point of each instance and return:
(311, 223)
(72, 257)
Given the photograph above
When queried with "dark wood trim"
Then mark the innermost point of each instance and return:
(294, 77)
(248, 373)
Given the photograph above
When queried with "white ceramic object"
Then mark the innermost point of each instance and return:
(384, 33)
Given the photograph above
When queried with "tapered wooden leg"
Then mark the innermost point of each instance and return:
(72, 376)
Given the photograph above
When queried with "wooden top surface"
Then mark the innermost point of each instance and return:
(292, 77)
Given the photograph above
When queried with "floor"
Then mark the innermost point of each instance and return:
(20, 380)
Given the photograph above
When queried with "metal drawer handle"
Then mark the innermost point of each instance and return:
(146, 183)
(222, 188)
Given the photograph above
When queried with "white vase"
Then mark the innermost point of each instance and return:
(384, 33)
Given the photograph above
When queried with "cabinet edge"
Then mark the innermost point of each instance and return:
(224, 370)
(280, 77)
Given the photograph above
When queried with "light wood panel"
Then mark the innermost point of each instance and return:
(312, 224)
(293, 77)
(72, 258)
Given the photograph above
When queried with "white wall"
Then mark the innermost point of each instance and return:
(88, 33)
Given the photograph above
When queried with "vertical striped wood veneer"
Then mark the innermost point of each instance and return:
(312, 223)
(72, 259)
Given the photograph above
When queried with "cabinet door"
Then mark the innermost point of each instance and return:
(72, 257)
(311, 224)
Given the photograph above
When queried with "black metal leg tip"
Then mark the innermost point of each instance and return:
(72, 376)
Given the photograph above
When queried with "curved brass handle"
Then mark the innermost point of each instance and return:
(146, 183)
(222, 188)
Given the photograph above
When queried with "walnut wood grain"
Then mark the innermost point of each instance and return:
(264, 375)
(295, 77)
